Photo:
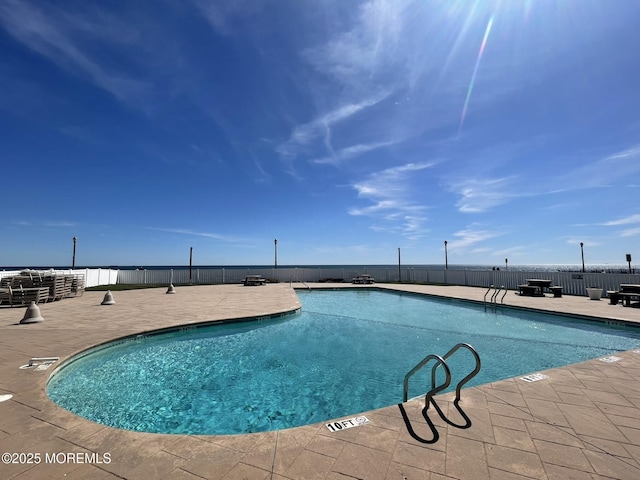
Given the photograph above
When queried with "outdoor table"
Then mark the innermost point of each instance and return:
(253, 280)
(539, 283)
(628, 293)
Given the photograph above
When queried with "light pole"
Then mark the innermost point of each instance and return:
(446, 256)
(399, 272)
(506, 264)
(190, 264)
(73, 259)
(275, 253)
(582, 252)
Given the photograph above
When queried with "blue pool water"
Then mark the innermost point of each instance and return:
(347, 352)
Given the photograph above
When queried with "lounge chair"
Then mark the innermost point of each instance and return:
(5, 296)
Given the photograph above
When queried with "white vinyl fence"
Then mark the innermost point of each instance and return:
(573, 283)
(92, 276)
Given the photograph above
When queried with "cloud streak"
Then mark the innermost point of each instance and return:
(215, 236)
(64, 38)
(625, 221)
(350, 152)
(374, 58)
(470, 237)
(630, 220)
(480, 195)
(613, 169)
(306, 134)
(391, 195)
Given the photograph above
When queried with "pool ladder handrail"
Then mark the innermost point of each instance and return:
(469, 376)
(433, 390)
(487, 293)
(442, 360)
(494, 296)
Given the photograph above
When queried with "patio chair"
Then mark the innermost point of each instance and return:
(6, 296)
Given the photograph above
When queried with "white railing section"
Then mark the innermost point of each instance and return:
(573, 283)
(93, 277)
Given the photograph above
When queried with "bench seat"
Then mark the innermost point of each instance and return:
(629, 298)
(614, 296)
(530, 291)
(556, 290)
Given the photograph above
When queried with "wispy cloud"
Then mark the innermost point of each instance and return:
(391, 194)
(587, 242)
(356, 55)
(479, 195)
(374, 58)
(320, 127)
(614, 169)
(480, 191)
(470, 237)
(223, 16)
(347, 153)
(215, 236)
(625, 221)
(59, 224)
(630, 220)
(631, 232)
(65, 38)
(45, 224)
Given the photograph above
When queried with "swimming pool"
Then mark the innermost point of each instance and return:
(345, 353)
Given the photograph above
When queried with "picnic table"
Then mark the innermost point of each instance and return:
(253, 280)
(535, 288)
(363, 279)
(628, 293)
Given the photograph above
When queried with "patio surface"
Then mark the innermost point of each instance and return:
(582, 422)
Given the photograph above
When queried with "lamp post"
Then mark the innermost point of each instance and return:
(275, 253)
(399, 272)
(582, 253)
(446, 256)
(73, 259)
(190, 264)
(506, 263)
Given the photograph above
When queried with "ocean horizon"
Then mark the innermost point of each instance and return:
(567, 267)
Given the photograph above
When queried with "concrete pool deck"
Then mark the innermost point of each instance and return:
(582, 422)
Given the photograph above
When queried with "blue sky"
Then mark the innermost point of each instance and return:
(345, 129)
